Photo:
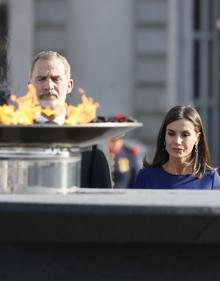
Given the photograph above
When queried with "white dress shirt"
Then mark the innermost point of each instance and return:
(59, 119)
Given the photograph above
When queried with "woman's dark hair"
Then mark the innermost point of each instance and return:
(201, 161)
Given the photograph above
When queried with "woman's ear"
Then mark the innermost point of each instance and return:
(198, 137)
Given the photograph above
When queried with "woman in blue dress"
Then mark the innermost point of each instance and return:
(182, 158)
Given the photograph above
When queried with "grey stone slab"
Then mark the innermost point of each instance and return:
(110, 235)
(119, 216)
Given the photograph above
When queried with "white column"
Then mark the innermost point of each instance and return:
(180, 54)
(100, 49)
(21, 23)
(173, 33)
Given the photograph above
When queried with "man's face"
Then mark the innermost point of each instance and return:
(51, 83)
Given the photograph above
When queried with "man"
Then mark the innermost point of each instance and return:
(124, 163)
(51, 76)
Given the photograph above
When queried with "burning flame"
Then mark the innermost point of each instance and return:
(25, 109)
(84, 112)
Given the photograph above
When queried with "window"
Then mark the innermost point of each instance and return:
(206, 66)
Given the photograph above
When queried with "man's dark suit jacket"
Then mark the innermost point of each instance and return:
(95, 172)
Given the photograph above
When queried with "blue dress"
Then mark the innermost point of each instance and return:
(158, 178)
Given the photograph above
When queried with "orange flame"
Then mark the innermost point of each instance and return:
(26, 109)
(82, 113)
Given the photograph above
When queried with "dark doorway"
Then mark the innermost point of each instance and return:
(3, 52)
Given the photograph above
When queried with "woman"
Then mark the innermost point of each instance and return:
(182, 159)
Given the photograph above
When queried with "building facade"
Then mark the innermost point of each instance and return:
(138, 57)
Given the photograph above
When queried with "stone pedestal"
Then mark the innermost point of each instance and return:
(111, 235)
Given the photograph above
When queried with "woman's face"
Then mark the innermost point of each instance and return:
(180, 138)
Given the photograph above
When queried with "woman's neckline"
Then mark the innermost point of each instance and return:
(167, 170)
